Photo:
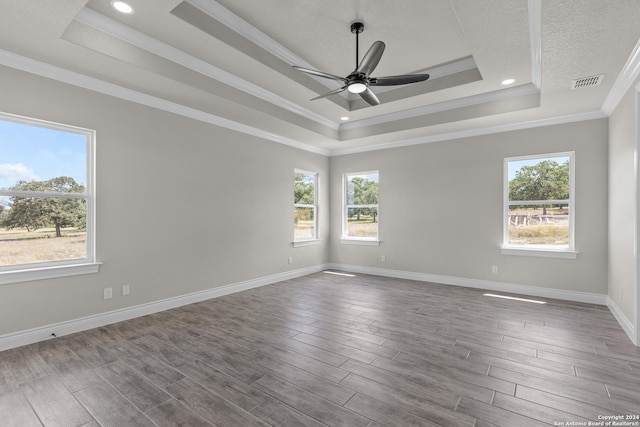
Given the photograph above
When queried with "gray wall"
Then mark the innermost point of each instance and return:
(441, 208)
(182, 206)
(623, 216)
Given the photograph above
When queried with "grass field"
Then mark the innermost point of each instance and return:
(363, 228)
(18, 246)
(550, 229)
(304, 230)
(546, 234)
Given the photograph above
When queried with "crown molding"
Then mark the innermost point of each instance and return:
(498, 95)
(87, 16)
(215, 10)
(625, 79)
(53, 72)
(223, 15)
(446, 136)
(243, 28)
(32, 66)
(115, 28)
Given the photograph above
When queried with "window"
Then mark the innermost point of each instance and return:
(305, 203)
(360, 211)
(46, 199)
(539, 203)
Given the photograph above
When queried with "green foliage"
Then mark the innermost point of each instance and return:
(539, 235)
(37, 212)
(546, 180)
(361, 191)
(304, 189)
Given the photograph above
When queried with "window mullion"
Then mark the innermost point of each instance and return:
(538, 202)
(44, 194)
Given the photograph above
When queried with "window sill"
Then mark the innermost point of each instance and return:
(301, 243)
(362, 242)
(50, 272)
(543, 253)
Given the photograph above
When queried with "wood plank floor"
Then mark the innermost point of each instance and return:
(333, 350)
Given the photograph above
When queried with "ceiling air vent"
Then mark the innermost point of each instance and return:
(587, 81)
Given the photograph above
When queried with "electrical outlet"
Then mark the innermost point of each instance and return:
(108, 293)
(494, 269)
(383, 258)
(126, 290)
(290, 260)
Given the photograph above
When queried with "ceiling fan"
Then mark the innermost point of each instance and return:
(359, 81)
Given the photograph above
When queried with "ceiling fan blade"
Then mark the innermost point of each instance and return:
(370, 97)
(333, 92)
(371, 58)
(398, 80)
(320, 74)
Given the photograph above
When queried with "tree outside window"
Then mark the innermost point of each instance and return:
(45, 204)
(305, 206)
(539, 202)
(361, 206)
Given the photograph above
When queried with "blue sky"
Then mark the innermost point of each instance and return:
(516, 165)
(369, 177)
(33, 153)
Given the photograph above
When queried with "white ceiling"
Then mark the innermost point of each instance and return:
(229, 62)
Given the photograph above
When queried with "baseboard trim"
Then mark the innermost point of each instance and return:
(625, 323)
(576, 296)
(43, 333)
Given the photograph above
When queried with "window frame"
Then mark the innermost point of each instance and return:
(568, 251)
(63, 268)
(315, 239)
(354, 240)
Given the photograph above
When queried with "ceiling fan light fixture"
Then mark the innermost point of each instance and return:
(357, 87)
(122, 7)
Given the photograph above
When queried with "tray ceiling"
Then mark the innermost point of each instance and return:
(230, 63)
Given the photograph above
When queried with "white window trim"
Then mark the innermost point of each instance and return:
(350, 240)
(48, 272)
(360, 241)
(539, 252)
(565, 252)
(313, 240)
(51, 270)
(309, 242)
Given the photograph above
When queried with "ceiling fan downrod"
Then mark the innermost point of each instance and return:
(356, 28)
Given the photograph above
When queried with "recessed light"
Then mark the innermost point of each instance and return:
(508, 81)
(344, 118)
(122, 7)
